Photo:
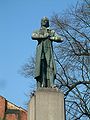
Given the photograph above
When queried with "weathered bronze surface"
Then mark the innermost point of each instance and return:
(45, 69)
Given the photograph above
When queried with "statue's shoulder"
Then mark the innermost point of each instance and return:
(37, 35)
(36, 32)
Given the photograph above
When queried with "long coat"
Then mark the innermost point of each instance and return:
(45, 46)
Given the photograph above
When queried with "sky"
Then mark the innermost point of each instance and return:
(18, 18)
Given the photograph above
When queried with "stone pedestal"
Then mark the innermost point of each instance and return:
(46, 104)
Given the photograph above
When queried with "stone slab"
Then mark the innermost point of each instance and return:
(46, 104)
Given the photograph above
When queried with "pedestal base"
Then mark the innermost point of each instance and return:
(46, 104)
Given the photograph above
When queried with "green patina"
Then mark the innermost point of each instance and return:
(45, 69)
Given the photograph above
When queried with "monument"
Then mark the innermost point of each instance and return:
(45, 69)
(48, 102)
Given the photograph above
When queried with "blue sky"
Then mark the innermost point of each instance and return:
(18, 18)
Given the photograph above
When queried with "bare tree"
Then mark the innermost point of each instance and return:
(73, 59)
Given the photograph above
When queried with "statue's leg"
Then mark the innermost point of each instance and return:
(48, 75)
(43, 72)
(48, 82)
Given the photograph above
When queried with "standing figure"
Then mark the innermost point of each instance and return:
(45, 69)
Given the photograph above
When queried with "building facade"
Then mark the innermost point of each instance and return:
(9, 111)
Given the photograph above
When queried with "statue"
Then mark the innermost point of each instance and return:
(45, 69)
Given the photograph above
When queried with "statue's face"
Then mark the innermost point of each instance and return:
(45, 22)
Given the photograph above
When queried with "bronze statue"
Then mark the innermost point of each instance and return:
(45, 69)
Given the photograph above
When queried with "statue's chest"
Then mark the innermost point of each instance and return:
(46, 46)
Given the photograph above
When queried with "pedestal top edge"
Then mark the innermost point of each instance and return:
(49, 90)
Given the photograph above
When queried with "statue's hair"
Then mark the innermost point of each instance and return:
(45, 19)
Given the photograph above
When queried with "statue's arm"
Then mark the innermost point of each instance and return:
(55, 37)
(38, 36)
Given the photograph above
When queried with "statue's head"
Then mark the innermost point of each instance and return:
(45, 22)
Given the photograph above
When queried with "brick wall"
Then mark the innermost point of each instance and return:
(2, 107)
(10, 111)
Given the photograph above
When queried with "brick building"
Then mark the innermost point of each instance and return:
(9, 111)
